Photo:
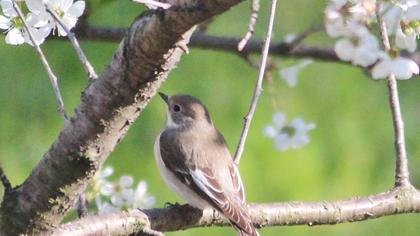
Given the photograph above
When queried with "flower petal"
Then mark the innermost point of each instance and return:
(299, 141)
(107, 208)
(381, 70)
(117, 200)
(270, 131)
(76, 9)
(405, 41)
(107, 189)
(279, 119)
(15, 37)
(8, 9)
(106, 172)
(5, 23)
(282, 142)
(290, 74)
(65, 5)
(126, 181)
(35, 6)
(344, 49)
(141, 189)
(404, 68)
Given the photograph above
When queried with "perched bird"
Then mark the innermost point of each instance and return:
(195, 162)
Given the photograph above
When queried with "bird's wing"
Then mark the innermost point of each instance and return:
(201, 178)
(237, 182)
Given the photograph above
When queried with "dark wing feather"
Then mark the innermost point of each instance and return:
(175, 159)
(201, 179)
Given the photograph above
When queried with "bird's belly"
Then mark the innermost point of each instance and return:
(176, 185)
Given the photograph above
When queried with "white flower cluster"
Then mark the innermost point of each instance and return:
(39, 21)
(290, 74)
(293, 135)
(112, 197)
(351, 21)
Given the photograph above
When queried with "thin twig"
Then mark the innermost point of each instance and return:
(51, 75)
(153, 3)
(258, 86)
(203, 27)
(5, 181)
(401, 170)
(302, 36)
(150, 232)
(82, 57)
(255, 8)
(82, 209)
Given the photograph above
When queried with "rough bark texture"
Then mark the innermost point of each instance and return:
(108, 107)
(397, 201)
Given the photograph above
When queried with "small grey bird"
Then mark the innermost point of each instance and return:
(195, 162)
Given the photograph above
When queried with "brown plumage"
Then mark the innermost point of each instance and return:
(196, 163)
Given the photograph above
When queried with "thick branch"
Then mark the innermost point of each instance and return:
(397, 201)
(221, 43)
(229, 44)
(109, 106)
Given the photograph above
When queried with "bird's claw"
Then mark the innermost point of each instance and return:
(169, 204)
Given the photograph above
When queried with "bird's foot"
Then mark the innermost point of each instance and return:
(169, 204)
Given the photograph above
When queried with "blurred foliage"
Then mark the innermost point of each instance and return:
(351, 151)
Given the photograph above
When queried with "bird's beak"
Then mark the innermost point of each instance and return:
(164, 97)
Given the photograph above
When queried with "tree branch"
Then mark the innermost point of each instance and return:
(5, 181)
(222, 43)
(82, 57)
(108, 107)
(258, 86)
(255, 8)
(396, 201)
(51, 75)
(401, 170)
(82, 206)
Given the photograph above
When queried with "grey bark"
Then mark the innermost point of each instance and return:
(396, 201)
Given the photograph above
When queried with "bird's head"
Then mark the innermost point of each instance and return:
(185, 110)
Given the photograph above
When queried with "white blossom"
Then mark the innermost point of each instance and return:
(66, 10)
(141, 198)
(406, 40)
(335, 23)
(16, 31)
(116, 196)
(290, 74)
(402, 68)
(402, 19)
(289, 38)
(39, 21)
(339, 14)
(11, 22)
(361, 49)
(293, 135)
(106, 207)
(396, 11)
(347, 20)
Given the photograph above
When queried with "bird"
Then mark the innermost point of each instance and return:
(195, 162)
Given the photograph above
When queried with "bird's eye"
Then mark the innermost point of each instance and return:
(176, 108)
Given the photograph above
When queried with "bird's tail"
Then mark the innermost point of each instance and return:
(251, 231)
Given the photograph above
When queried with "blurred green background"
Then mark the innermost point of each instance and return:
(351, 152)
